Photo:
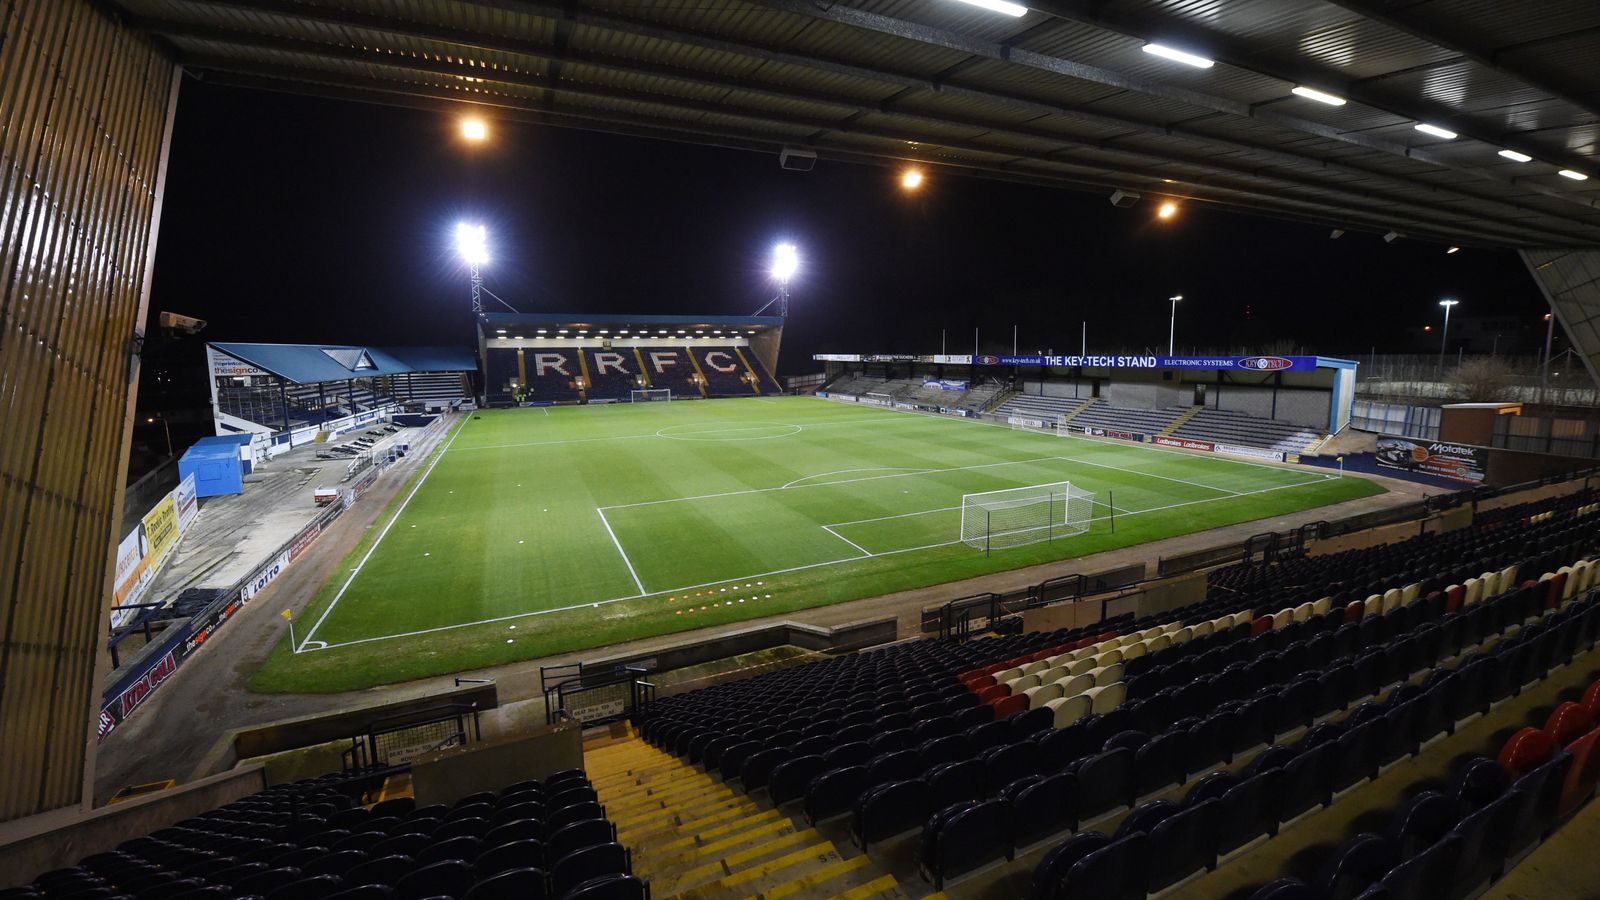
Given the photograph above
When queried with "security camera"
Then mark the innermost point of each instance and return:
(185, 324)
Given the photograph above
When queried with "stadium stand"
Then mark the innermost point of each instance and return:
(611, 374)
(310, 839)
(725, 370)
(976, 399)
(1000, 744)
(1224, 427)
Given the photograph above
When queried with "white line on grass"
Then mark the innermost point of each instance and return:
(625, 560)
(846, 420)
(848, 471)
(818, 565)
(797, 487)
(373, 549)
(865, 552)
(1209, 487)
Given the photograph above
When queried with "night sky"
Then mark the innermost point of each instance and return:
(296, 219)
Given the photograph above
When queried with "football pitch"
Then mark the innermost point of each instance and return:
(538, 531)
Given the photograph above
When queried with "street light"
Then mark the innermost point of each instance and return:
(1172, 327)
(1444, 336)
(785, 262)
(164, 427)
(473, 242)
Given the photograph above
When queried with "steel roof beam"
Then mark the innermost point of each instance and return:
(938, 37)
(1249, 196)
(1420, 212)
(672, 33)
(1238, 54)
(1433, 33)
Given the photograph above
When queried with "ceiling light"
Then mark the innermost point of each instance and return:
(542, 331)
(1335, 234)
(1575, 176)
(1436, 131)
(999, 6)
(1453, 250)
(1167, 210)
(1391, 237)
(1188, 59)
(474, 129)
(1514, 156)
(1301, 90)
(499, 331)
(911, 179)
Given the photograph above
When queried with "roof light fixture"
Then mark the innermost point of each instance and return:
(1311, 93)
(1436, 131)
(1573, 174)
(1176, 55)
(999, 6)
(1452, 250)
(1514, 156)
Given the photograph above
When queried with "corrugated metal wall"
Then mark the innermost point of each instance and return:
(84, 109)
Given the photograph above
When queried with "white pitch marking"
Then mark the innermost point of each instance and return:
(1209, 487)
(864, 551)
(884, 419)
(625, 561)
(306, 641)
(862, 469)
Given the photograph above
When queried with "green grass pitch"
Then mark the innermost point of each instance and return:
(540, 531)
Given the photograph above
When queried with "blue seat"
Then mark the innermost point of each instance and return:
(945, 749)
(1160, 763)
(897, 765)
(988, 735)
(1479, 782)
(1208, 743)
(1062, 748)
(1543, 789)
(1248, 811)
(1427, 875)
(1053, 869)
(449, 878)
(1485, 837)
(1044, 806)
(1286, 889)
(973, 835)
(790, 778)
(1211, 787)
(1358, 864)
(1003, 765)
(579, 867)
(1145, 817)
(609, 887)
(1105, 782)
(889, 809)
(1181, 844)
(950, 782)
(854, 753)
(834, 792)
(1111, 872)
(1307, 782)
(1421, 822)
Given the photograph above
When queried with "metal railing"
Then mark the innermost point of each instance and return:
(594, 695)
(396, 740)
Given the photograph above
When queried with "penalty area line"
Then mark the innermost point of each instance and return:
(618, 544)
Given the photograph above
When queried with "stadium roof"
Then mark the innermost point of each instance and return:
(1062, 95)
(314, 363)
(494, 323)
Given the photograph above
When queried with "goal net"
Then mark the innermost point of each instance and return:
(878, 399)
(995, 520)
(647, 395)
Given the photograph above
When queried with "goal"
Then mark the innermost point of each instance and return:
(648, 395)
(996, 520)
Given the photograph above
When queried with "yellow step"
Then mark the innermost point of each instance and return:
(870, 889)
(688, 796)
(733, 863)
(653, 820)
(813, 880)
(689, 856)
(676, 828)
(701, 836)
(755, 877)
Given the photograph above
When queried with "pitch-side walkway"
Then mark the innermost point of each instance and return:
(205, 699)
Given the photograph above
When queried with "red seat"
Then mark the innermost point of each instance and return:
(1552, 591)
(1525, 751)
(993, 692)
(1584, 774)
(1455, 597)
(978, 682)
(1353, 611)
(1591, 700)
(1260, 625)
(1042, 654)
(1005, 706)
(1568, 722)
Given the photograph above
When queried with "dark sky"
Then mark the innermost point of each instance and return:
(290, 218)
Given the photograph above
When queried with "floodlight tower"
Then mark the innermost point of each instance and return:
(1444, 336)
(473, 242)
(785, 262)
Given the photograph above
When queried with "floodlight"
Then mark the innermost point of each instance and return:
(473, 242)
(785, 262)
(1574, 175)
(1167, 210)
(911, 179)
(1436, 131)
(999, 6)
(474, 129)
(1447, 303)
(1453, 250)
(1514, 156)
(1176, 55)
(1310, 93)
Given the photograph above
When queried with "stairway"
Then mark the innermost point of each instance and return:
(694, 837)
(1181, 420)
(1078, 409)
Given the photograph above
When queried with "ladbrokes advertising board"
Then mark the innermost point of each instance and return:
(1462, 462)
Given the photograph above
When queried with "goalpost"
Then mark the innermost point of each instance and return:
(647, 395)
(996, 520)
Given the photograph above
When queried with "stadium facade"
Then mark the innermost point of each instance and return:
(541, 359)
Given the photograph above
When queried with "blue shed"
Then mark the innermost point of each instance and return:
(215, 464)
